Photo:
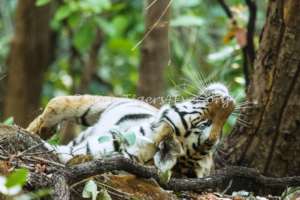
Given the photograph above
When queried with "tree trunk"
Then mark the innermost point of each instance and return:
(28, 59)
(271, 143)
(155, 49)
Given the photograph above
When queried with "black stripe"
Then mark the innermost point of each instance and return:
(177, 132)
(83, 118)
(199, 141)
(142, 131)
(88, 148)
(84, 136)
(165, 117)
(187, 133)
(197, 121)
(181, 115)
(194, 146)
(116, 104)
(133, 117)
(115, 143)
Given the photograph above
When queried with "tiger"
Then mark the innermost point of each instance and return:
(180, 137)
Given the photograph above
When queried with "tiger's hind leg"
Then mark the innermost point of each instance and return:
(84, 109)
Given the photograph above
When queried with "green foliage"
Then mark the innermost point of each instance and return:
(18, 177)
(38, 194)
(103, 195)
(90, 191)
(9, 121)
(13, 183)
(42, 2)
(197, 31)
(165, 176)
(54, 140)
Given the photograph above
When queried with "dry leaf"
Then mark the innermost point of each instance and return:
(241, 36)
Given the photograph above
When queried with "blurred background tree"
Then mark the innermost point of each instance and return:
(98, 48)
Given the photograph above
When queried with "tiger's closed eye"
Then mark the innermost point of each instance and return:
(205, 124)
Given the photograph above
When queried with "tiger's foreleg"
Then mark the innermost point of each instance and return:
(84, 109)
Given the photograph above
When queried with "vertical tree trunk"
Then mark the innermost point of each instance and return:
(28, 59)
(272, 143)
(155, 49)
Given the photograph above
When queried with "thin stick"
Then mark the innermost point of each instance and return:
(153, 26)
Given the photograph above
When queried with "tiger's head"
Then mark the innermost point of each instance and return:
(196, 125)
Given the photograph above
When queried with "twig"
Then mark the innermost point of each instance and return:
(44, 160)
(151, 4)
(153, 26)
(227, 11)
(29, 149)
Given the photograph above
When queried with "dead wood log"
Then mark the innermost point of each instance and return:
(242, 178)
(16, 142)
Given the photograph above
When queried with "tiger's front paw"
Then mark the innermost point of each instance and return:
(38, 127)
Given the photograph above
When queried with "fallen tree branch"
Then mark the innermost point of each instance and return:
(62, 176)
(258, 183)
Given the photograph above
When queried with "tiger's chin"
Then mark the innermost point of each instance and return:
(168, 152)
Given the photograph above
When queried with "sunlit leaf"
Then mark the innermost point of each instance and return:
(222, 54)
(95, 6)
(187, 20)
(90, 190)
(241, 37)
(229, 36)
(103, 195)
(54, 140)
(42, 2)
(18, 177)
(84, 36)
(165, 176)
(8, 191)
(62, 12)
(9, 121)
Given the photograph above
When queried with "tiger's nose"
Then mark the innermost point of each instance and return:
(228, 101)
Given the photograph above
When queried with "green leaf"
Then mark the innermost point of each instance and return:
(18, 177)
(130, 137)
(54, 140)
(187, 20)
(103, 195)
(95, 6)
(42, 2)
(84, 36)
(165, 176)
(62, 12)
(9, 121)
(90, 190)
(103, 139)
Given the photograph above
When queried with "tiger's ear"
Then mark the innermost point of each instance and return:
(168, 151)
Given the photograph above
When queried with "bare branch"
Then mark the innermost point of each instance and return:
(257, 182)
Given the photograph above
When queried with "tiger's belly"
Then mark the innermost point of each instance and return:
(99, 140)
